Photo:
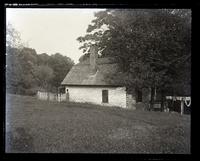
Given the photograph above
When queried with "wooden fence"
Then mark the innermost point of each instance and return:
(48, 96)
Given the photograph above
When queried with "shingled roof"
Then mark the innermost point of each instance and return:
(82, 74)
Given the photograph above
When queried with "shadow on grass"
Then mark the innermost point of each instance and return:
(19, 141)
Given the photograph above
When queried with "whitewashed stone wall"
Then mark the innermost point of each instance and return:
(116, 95)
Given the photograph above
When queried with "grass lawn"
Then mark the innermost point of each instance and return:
(51, 127)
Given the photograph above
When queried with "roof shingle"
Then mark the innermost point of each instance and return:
(82, 74)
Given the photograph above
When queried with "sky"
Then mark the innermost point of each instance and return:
(52, 30)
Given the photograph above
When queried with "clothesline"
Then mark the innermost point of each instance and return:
(187, 100)
(178, 98)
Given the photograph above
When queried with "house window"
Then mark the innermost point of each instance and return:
(104, 96)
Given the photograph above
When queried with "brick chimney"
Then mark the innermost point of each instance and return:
(93, 58)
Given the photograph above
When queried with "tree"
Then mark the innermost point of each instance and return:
(43, 59)
(13, 38)
(61, 66)
(26, 70)
(43, 74)
(20, 65)
(14, 71)
(148, 44)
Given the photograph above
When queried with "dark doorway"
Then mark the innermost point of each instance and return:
(105, 96)
(139, 96)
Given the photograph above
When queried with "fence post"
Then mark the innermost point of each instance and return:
(182, 106)
(38, 94)
(48, 96)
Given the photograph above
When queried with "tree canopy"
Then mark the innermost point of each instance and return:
(13, 38)
(27, 71)
(152, 46)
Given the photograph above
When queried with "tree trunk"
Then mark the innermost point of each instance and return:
(162, 100)
(182, 107)
(152, 97)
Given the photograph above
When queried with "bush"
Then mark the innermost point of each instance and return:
(30, 92)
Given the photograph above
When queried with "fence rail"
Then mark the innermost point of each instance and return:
(48, 96)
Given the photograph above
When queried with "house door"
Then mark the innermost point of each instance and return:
(104, 96)
(139, 96)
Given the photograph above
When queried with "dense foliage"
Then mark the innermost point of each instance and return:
(152, 47)
(27, 71)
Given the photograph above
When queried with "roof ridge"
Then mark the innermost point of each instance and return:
(81, 74)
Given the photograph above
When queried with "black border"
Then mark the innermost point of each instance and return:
(85, 85)
(42, 156)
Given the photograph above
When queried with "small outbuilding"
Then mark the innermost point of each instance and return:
(86, 82)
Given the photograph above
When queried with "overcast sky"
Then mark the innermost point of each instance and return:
(52, 30)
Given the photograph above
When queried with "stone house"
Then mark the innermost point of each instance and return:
(86, 82)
